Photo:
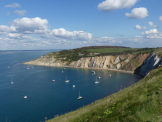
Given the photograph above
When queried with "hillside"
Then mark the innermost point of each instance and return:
(104, 57)
(141, 102)
(76, 54)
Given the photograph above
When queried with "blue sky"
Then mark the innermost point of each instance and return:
(46, 24)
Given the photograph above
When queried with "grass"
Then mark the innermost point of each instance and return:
(108, 50)
(141, 102)
(75, 54)
(159, 52)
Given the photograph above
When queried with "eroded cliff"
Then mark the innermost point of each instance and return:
(135, 60)
(127, 62)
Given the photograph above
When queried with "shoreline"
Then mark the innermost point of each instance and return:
(114, 70)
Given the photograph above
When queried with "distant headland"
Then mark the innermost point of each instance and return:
(133, 60)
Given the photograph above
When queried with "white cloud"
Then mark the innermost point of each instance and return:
(4, 28)
(40, 27)
(34, 33)
(30, 25)
(139, 27)
(107, 40)
(116, 4)
(61, 32)
(152, 31)
(160, 18)
(14, 35)
(152, 34)
(20, 12)
(108, 5)
(152, 24)
(13, 5)
(138, 13)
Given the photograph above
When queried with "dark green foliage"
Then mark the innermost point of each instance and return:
(71, 55)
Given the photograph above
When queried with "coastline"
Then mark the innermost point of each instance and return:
(127, 63)
(139, 65)
(114, 70)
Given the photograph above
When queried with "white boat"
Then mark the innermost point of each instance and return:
(12, 82)
(67, 81)
(79, 97)
(53, 80)
(25, 97)
(99, 77)
(73, 86)
(97, 82)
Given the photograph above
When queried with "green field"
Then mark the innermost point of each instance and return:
(109, 50)
(141, 102)
(76, 54)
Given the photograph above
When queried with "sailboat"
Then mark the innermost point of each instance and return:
(96, 82)
(66, 80)
(28, 68)
(25, 97)
(79, 97)
(12, 82)
(53, 80)
(99, 77)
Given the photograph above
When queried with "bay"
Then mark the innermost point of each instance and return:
(35, 93)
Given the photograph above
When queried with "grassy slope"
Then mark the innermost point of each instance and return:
(141, 102)
(76, 54)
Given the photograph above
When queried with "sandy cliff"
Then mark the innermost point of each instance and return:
(127, 62)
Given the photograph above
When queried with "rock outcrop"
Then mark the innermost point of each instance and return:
(149, 64)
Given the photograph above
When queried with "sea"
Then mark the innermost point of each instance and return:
(36, 93)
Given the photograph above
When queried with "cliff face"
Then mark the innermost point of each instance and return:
(127, 62)
(149, 64)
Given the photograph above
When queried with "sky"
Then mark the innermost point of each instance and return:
(64, 24)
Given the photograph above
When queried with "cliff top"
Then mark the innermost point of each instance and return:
(76, 54)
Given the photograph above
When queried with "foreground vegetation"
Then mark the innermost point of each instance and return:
(141, 102)
(76, 54)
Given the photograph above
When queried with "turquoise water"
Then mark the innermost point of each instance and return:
(48, 95)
